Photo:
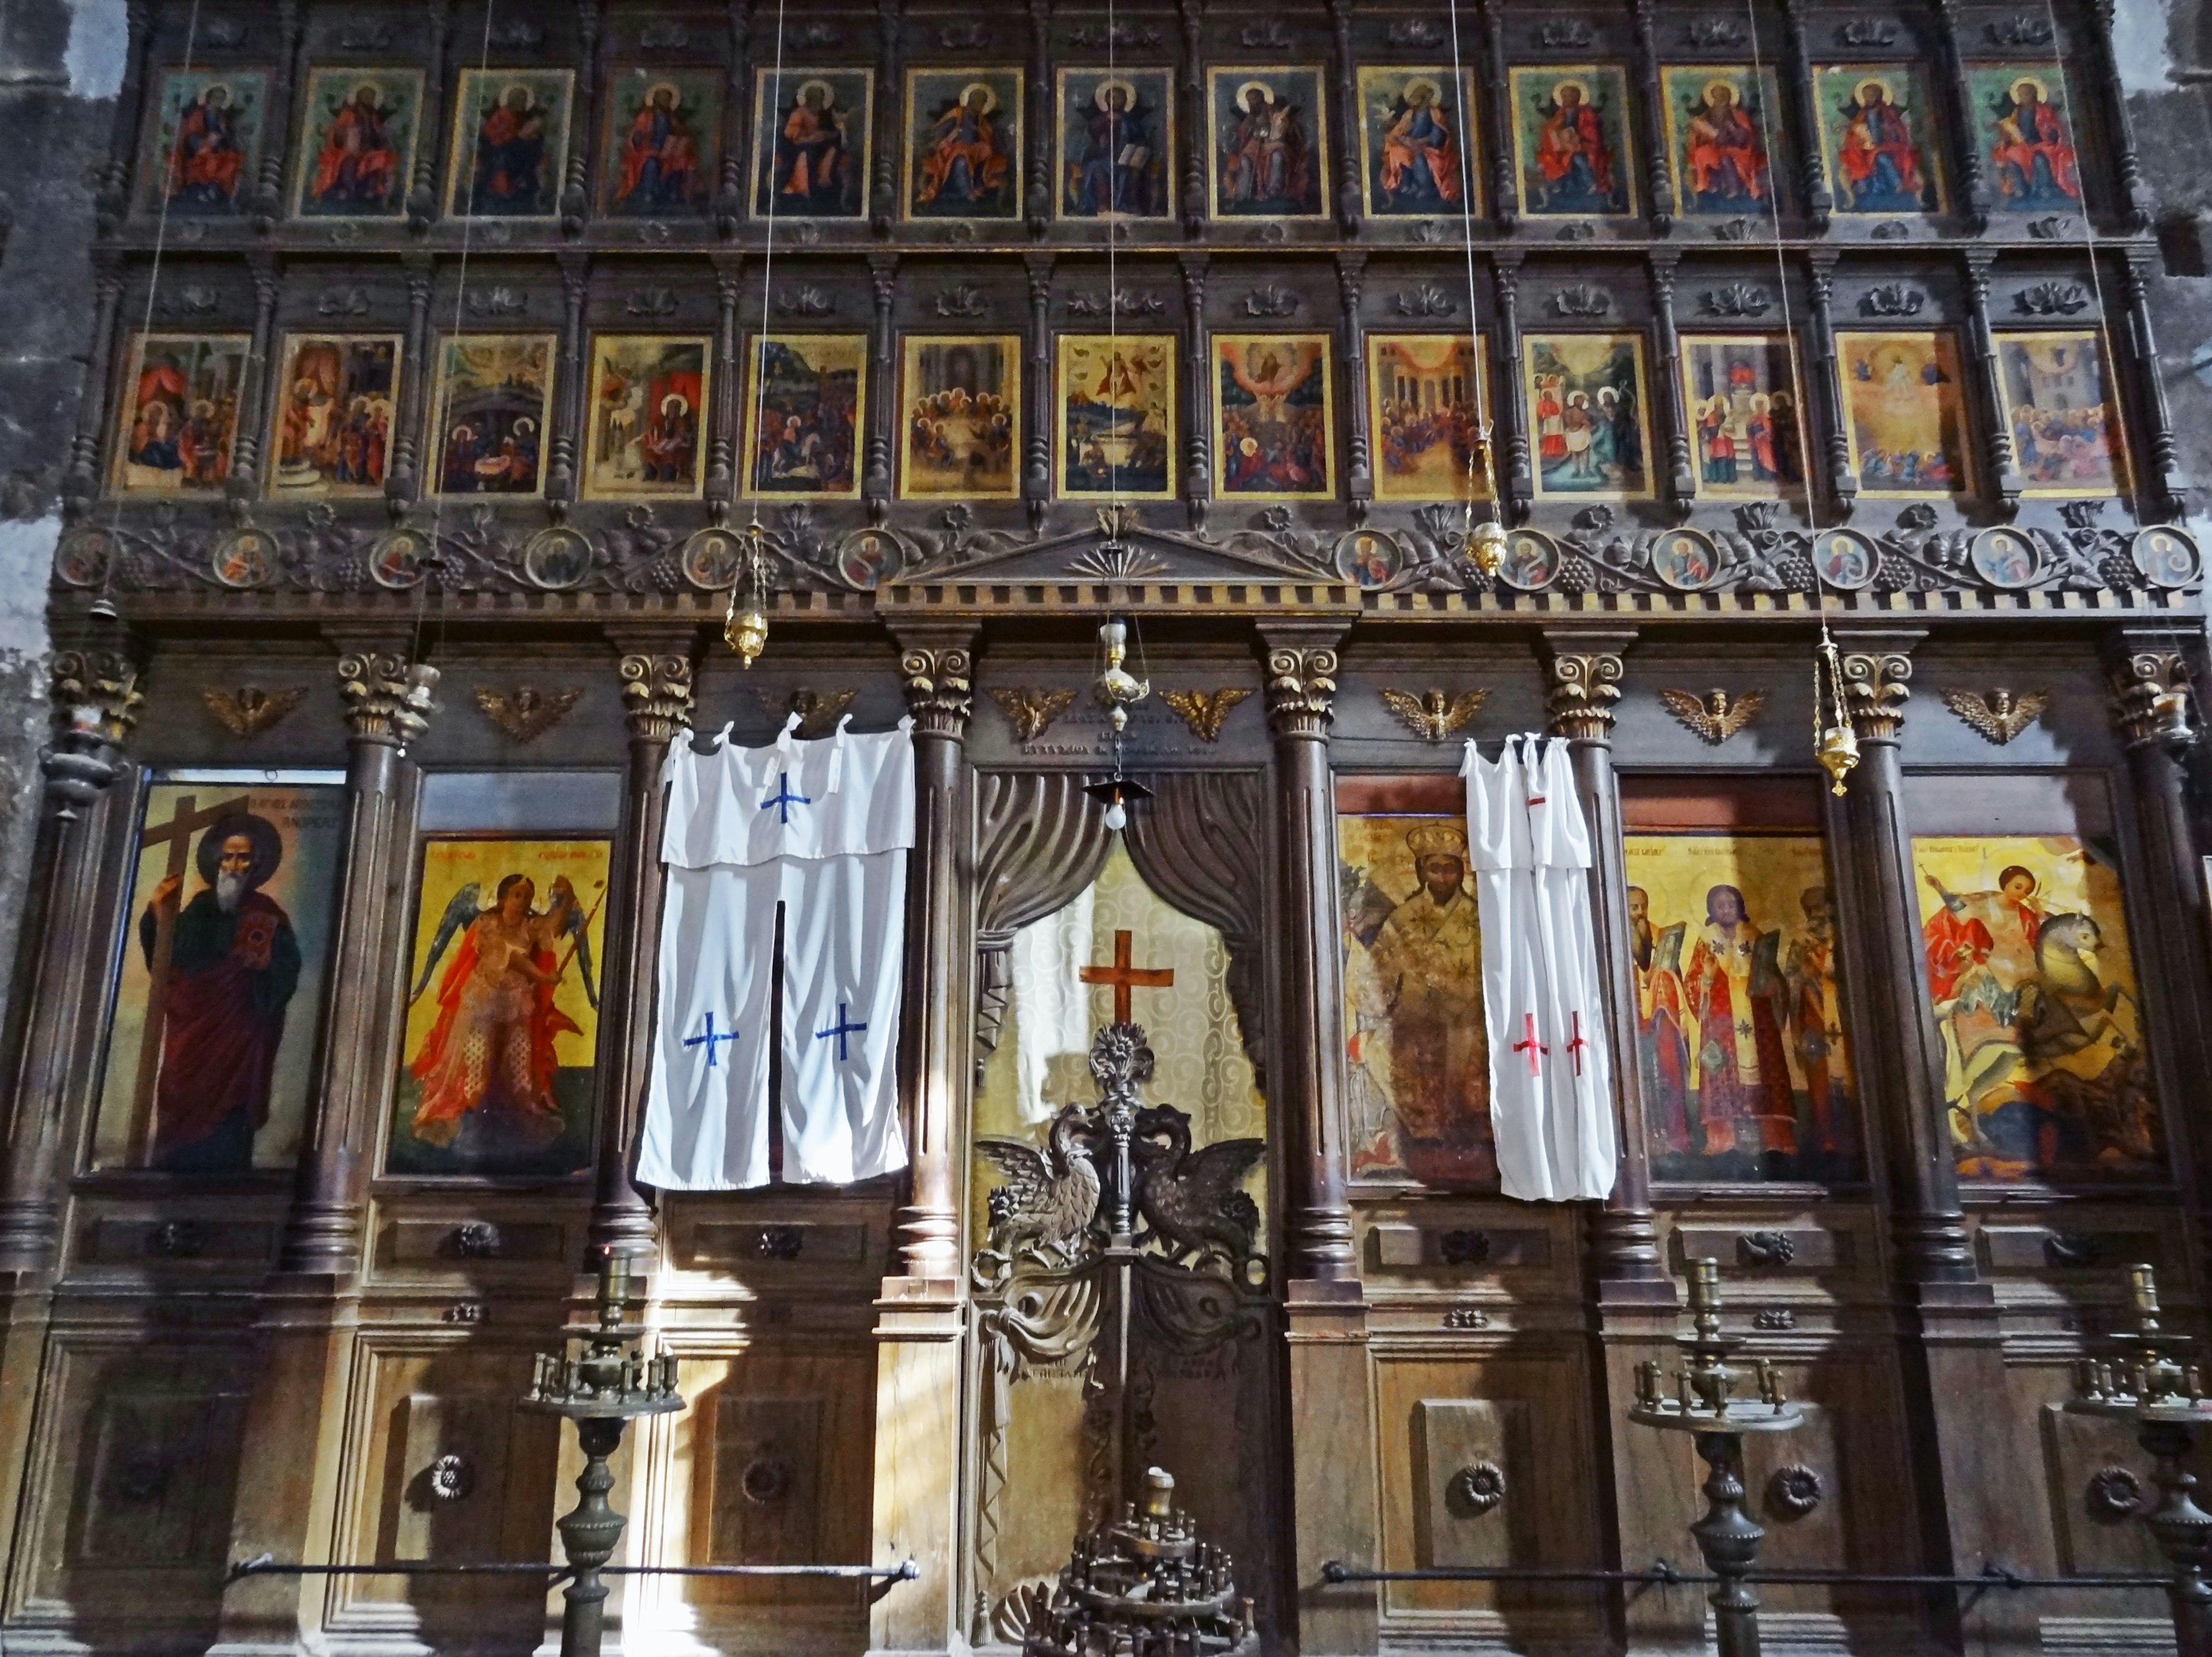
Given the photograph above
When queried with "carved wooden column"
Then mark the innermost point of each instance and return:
(1359, 473)
(1950, 1349)
(1044, 122)
(1828, 384)
(1805, 124)
(1965, 153)
(2137, 202)
(1197, 397)
(1512, 404)
(576, 191)
(1497, 122)
(1036, 392)
(1350, 195)
(2005, 481)
(309, 1310)
(291, 70)
(920, 1314)
(737, 115)
(1197, 119)
(113, 201)
(405, 484)
(656, 687)
(1675, 419)
(81, 483)
(1325, 1314)
(890, 151)
(883, 418)
(96, 706)
(568, 413)
(256, 396)
(2143, 666)
(423, 194)
(728, 427)
(2165, 485)
(387, 705)
(1651, 123)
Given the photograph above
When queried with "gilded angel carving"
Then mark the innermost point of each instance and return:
(1715, 716)
(1432, 716)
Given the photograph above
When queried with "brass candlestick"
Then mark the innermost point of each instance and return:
(2147, 1383)
(1703, 1402)
(601, 1388)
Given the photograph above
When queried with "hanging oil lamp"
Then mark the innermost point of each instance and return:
(745, 628)
(1484, 543)
(1118, 689)
(1835, 744)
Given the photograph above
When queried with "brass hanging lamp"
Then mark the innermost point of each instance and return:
(1835, 744)
(744, 627)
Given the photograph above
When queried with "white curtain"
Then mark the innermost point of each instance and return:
(823, 829)
(1052, 1004)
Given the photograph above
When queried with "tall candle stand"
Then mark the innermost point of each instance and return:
(2145, 1382)
(1702, 1402)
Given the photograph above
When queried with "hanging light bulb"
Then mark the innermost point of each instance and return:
(1835, 744)
(1118, 689)
(745, 628)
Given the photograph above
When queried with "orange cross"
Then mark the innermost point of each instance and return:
(1125, 978)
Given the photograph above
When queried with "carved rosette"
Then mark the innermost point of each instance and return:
(656, 696)
(2144, 686)
(387, 699)
(95, 702)
(1875, 690)
(1301, 692)
(1579, 697)
(938, 691)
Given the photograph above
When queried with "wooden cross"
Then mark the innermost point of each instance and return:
(176, 833)
(1125, 978)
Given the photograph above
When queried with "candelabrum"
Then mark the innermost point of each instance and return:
(2144, 1381)
(1146, 1587)
(600, 1379)
(1703, 1402)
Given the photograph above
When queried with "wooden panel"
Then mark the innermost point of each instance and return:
(1463, 1513)
(767, 1473)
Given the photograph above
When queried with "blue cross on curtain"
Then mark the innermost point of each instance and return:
(843, 1027)
(709, 1038)
(783, 800)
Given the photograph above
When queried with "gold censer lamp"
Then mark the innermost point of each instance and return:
(1835, 744)
(744, 627)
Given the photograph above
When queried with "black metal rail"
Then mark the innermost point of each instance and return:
(1662, 1575)
(267, 1565)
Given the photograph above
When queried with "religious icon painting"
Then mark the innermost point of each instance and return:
(660, 156)
(1877, 129)
(1571, 140)
(1415, 1038)
(1423, 408)
(209, 1054)
(804, 413)
(960, 402)
(1906, 416)
(1417, 147)
(510, 142)
(2026, 133)
(1274, 417)
(1586, 407)
(357, 144)
(2026, 945)
(205, 143)
(646, 418)
(336, 396)
(1741, 392)
(2059, 404)
(1269, 150)
(502, 1007)
(963, 144)
(1723, 126)
(494, 393)
(176, 420)
(1740, 1043)
(811, 139)
(1115, 144)
(1116, 402)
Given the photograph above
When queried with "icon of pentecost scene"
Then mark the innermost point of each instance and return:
(1079, 830)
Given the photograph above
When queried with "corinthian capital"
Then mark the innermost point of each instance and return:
(937, 671)
(656, 695)
(95, 702)
(387, 699)
(1876, 687)
(1582, 681)
(1301, 689)
(2150, 690)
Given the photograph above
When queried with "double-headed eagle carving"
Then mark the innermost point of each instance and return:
(1205, 711)
(1715, 716)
